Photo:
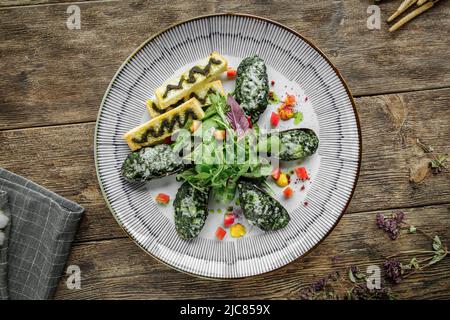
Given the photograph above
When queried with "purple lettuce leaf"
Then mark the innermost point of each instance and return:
(236, 116)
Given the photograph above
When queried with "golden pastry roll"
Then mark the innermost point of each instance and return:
(191, 80)
(161, 127)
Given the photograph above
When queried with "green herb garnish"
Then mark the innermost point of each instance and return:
(438, 163)
(273, 98)
(212, 169)
(298, 117)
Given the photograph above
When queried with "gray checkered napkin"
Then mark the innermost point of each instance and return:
(37, 227)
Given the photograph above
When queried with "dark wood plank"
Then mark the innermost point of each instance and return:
(62, 74)
(52, 75)
(15, 3)
(12, 3)
(118, 269)
(61, 158)
(390, 125)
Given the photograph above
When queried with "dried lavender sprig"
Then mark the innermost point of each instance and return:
(393, 270)
(390, 225)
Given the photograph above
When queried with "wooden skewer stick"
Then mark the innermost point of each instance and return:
(421, 2)
(412, 15)
(402, 8)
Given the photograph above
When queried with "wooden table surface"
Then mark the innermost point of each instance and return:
(52, 81)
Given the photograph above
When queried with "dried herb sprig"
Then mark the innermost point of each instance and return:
(426, 148)
(320, 289)
(390, 225)
(360, 291)
(438, 163)
(354, 286)
(336, 286)
(396, 271)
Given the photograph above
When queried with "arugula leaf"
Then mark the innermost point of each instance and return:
(183, 140)
(220, 105)
(212, 168)
(209, 112)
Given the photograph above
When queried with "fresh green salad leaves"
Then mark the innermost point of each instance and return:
(213, 167)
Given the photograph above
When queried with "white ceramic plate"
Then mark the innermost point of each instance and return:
(297, 67)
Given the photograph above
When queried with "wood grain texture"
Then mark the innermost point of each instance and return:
(117, 269)
(52, 75)
(391, 125)
(15, 3)
(61, 158)
(53, 80)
